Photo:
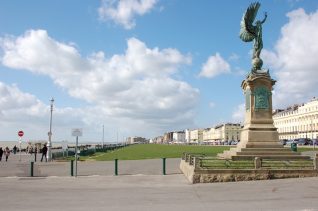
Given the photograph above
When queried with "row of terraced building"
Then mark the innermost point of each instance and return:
(297, 121)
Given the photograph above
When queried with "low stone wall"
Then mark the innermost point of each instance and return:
(188, 170)
(228, 175)
(196, 174)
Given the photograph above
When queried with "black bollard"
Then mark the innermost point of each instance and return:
(31, 169)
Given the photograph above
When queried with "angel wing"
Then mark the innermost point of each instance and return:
(248, 31)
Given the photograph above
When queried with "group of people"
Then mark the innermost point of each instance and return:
(34, 150)
(30, 150)
(6, 152)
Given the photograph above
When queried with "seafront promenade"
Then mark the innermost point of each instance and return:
(15, 167)
(140, 186)
(156, 193)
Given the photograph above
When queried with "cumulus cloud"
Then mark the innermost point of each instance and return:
(294, 60)
(13, 101)
(24, 111)
(215, 65)
(123, 12)
(136, 86)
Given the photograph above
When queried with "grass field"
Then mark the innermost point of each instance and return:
(306, 148)
(151, 151)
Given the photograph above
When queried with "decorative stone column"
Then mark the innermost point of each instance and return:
(259, 130)
(259, 137)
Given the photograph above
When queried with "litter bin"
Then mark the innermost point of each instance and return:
(293, 147)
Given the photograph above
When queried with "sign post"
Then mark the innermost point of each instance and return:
(76, 132)
(20, 134)
(64, 147)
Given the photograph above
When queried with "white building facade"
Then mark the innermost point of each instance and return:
(196, 136)
(222, 133)
(136, 140)
(187, 135)
(298, 121)
(179, 137)
(209, 135)
(228, 132)
(158, 140)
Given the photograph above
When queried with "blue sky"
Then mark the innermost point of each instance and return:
(144, 67)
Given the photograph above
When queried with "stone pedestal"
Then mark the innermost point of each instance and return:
(259, 137)
(259, 130)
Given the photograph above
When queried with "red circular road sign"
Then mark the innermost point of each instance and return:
(20, 133)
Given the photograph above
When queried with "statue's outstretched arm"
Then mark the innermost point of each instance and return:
(264, 18)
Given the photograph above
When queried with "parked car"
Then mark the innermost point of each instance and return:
(289, 142)
(233, 142)
(217, 142)
(283, 141)
(303, 141)
(315, 141)
(224, 143)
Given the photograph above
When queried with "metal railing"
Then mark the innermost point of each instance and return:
(33, 167)
(203, 162)
(85, 152)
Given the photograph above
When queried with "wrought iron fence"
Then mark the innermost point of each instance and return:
(203, 162)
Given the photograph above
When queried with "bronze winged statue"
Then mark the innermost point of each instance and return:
(250, 32)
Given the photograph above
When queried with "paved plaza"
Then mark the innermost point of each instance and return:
(141, 186)
(154, 192)
(15, 167)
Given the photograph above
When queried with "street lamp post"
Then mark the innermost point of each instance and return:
(49, 143)
(103, 136)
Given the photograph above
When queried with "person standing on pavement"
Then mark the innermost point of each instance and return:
(14, 149)
(7, 153)
(44, 151)
(31, 150)
(1, 153)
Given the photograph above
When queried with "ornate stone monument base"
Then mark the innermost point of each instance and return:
(259, 137)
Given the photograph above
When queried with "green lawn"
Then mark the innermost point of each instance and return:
(304, 149)
(151, 151)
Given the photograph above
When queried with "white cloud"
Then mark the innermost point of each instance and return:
(13, 101)
(239, 113)
(215, 65)
(24, 111)
(123, 12)
(294, 60)
(136, 86)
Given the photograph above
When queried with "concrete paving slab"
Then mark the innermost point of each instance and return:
(141, 186)
(154, 192)
(14, 167)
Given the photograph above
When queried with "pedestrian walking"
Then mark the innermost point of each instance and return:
(31, 150)
(44, 151)
(7, 153)
(14, 149)
(1, 153)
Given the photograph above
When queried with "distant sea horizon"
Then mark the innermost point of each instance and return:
(24, 144)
